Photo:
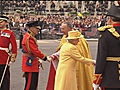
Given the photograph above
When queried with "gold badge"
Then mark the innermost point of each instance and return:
(100, 36)
(30, 61)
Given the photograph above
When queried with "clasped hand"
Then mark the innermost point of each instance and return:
(49, 58)
(94, 62)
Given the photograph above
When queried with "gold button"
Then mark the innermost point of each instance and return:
(119, 71)
(118, 65)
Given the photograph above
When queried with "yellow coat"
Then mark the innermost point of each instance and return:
(66, 72)
(84, 73)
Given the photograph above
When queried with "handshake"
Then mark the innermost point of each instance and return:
(49, 58)
(54, 56)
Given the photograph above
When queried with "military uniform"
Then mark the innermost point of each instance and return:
(7, 37)
(108, 47)
(107, 71)
(30, 64)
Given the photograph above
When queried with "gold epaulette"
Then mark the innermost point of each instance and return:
(28, 43)
(114, 32)
(33, 36)
(103, 28)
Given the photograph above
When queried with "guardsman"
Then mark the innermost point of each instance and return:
(7, 37)
(107, 71)
(31, 55)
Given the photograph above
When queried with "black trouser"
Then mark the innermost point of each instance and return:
(6, 80)
(31, 80)
(112, 88)
(20, 44)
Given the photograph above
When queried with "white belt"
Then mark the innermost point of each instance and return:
(6, 49)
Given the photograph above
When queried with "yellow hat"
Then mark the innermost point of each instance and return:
(74, 34)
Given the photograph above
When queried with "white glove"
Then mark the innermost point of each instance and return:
(40, 63)
(96, 86)
(10, 63)
(49, 58)
(94, 62)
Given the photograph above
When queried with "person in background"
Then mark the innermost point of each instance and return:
(107, 71)
(22, 31)
(84, 73)
(31, 55)
(7, 54)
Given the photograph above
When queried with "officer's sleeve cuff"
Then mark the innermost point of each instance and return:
(45, 58)
(97, 79)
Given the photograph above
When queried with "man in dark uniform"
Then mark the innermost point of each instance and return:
(41, 27)
(7, 37)
(31, 53)
(22, 31)
(107, 71)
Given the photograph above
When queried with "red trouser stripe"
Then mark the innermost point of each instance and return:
(29, 81)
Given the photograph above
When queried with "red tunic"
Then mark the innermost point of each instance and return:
(7, 37)
(29, 44)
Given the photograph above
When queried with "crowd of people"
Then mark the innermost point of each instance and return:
(51, 23)
(87, 25)
(40, 7)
